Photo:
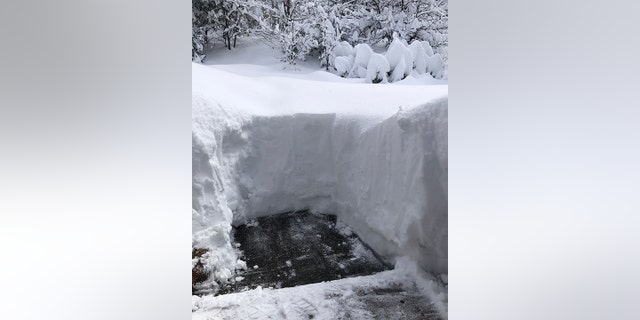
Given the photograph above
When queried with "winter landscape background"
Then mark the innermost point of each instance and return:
(328, 107)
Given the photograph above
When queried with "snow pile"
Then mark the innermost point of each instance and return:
(382, 171)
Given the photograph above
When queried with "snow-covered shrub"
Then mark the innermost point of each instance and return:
(394, 53)
(408, 62)
(377, 68)
(358, 72)
(361, 60)
(342, 49)
(400, 59)
(419, 56)
(427, 48)
(363, 54)
(343, 65)
(435, 66)
(398, 72)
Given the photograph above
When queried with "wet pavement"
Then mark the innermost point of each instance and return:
(297, 248)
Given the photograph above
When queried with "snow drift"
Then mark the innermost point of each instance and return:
(387, 179)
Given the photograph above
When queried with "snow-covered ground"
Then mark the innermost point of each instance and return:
(340, 299)
(269, 138)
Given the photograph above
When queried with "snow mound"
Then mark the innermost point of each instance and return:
(211, 175)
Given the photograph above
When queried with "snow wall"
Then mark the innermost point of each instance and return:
(388, 182)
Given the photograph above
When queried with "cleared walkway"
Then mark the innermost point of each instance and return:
(297, 248)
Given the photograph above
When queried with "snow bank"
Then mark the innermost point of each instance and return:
(255, 153)
(212, 175)
(392, 185)
(289, 166)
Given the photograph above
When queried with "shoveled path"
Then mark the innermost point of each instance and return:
(297, 248)
(303, 266)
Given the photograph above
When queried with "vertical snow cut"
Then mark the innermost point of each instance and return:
(387, 181)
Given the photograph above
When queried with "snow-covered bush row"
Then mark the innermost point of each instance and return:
(396, 64)
(301, 29)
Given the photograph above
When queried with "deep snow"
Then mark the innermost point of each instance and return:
(269, 139)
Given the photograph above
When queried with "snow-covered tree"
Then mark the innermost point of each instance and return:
(301, 28)
(224, 20)
(201, 33)
(232, 18)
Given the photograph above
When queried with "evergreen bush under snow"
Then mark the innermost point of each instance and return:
(399, 61)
